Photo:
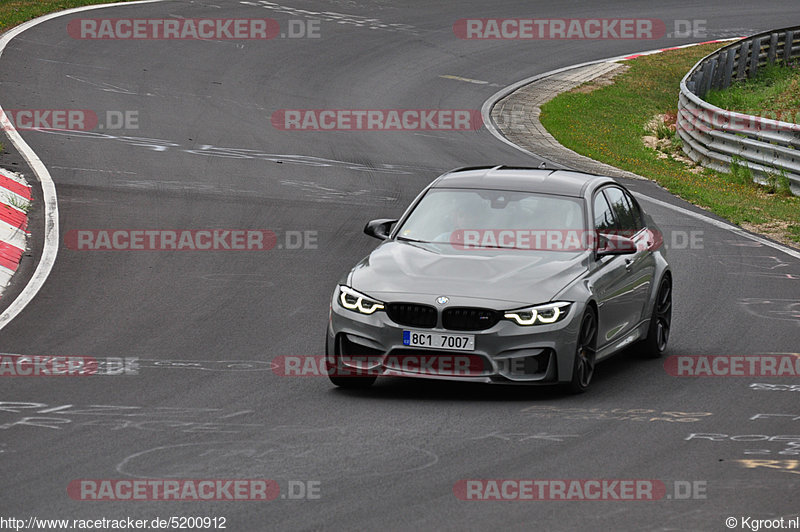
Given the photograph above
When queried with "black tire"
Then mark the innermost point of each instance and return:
(585, 354)
(340, 377)
(660, 321)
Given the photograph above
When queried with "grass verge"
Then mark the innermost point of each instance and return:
(773, 93)
(630, 124)
(14, 12)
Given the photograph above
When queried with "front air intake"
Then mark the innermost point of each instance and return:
(412, 314)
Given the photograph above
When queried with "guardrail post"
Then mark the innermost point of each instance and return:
(729, 64)
(719, 72)
(755, 53)
(712, 68)
(773, 48)
(743, 51)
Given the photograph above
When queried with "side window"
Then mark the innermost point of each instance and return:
(603, 216)
(623, 210)
(637, 211)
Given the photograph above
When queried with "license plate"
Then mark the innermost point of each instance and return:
(429, 340)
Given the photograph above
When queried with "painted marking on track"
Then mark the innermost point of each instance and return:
(789, 442)
(132, 365)
(117, 417)
(753, 261)
(742, 244)
(335, 17)
(614, 414)
(783, 276)
(467, 80)
(762, 386)
(74, 64)
(106, 87)
(787, 466)
(240, 413)
(239, 278)
(208, 150)
(775, 309)
(281, 456)
(49, 198)
(524, 436)
(93, 170)
(435, 136)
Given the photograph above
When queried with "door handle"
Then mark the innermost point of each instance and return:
(628, 264)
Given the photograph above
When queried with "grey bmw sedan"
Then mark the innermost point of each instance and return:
(504, 275)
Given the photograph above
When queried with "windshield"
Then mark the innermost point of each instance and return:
(493, 218)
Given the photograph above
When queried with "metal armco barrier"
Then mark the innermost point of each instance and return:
(712, 136)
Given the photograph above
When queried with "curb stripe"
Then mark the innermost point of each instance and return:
(15, 187)
(651, 52)
(13, 217)
(9, 256)
(13, 223)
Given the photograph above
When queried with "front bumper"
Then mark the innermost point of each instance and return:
(506, 353)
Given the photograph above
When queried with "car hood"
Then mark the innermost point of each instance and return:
(398, 270)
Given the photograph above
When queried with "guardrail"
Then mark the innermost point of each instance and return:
(713, 137)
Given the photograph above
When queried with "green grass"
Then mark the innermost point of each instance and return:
(608, 123)
(23, 206)
(774, 93)
(14, 12)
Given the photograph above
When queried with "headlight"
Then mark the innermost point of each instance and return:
(540, 314)
(352, 300)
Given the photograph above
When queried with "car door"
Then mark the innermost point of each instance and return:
(641, 265)
(621, 282)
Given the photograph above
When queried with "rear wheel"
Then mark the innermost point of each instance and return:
(343, 377)
(585, 353)
(660, 322)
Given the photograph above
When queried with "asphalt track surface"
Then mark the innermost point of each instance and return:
(388, 457)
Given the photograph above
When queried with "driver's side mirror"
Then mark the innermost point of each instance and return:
(615, 245)
(379, 228)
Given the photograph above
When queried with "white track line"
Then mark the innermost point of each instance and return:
(721, 224)
(486, 112)
(51, 233)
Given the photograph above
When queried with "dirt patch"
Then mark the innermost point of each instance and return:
(660, 135)
(601, 81)
(778, 231)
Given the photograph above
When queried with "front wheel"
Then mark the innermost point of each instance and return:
(585, 353)
(660, 322)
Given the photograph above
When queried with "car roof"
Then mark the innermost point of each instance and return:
(522, 179)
